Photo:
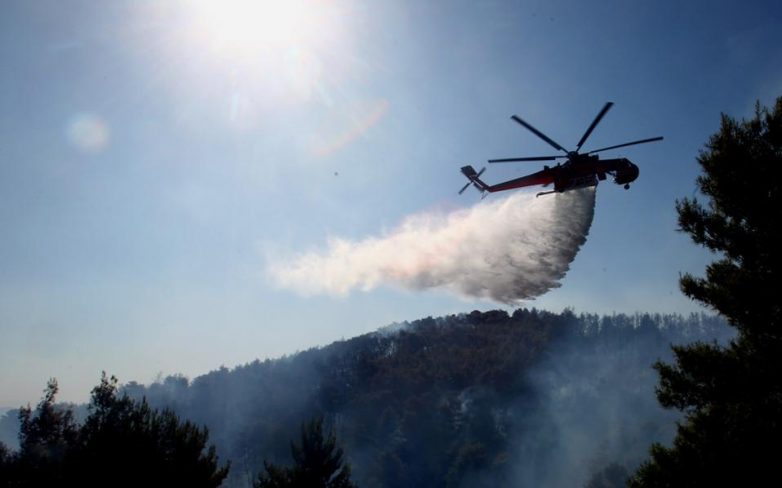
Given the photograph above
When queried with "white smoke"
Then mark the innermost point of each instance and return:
(507, 250)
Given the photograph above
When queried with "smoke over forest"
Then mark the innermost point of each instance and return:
(472, 400)
(507, 250)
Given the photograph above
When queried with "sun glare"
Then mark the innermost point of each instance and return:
(254, 24)
(244, 59)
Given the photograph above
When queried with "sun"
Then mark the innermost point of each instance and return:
(253, 56)
(260, 24)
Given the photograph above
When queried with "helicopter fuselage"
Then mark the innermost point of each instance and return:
(579, 172)
(587, 170)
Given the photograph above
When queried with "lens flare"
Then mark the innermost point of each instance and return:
(88, 132)
(365, 118)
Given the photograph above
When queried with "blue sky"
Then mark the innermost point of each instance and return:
(154, 154)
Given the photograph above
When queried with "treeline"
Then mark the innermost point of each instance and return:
(121, 443)
(476, 399)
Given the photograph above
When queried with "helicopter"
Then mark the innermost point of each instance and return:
(578, 171)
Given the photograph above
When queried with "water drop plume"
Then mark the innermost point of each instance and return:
(507, 250)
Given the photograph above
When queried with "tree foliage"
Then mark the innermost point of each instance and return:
(121, 443)
(152, 447)
(732, 395)
(317, 462)
(46, 435)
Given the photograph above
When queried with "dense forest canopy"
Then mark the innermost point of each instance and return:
(530, 398)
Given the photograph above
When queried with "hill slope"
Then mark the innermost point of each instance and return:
(530, 399)
(471, 400)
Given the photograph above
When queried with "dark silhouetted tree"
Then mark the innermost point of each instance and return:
(149, 447)
(122, 443)
(7, 466)
(317, 462)
(45, 437)
(732, 396)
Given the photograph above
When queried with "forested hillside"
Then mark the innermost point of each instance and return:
(479, 399)
(529, 399)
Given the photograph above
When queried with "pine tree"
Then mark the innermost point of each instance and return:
(45, 436)
(731, 396)
(318, 463)
(122, 443)
(149, 447)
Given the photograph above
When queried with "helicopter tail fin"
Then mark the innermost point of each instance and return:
(474, 178)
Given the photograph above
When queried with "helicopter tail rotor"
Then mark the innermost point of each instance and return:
(474, 178)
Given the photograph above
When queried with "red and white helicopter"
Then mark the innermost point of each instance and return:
(578, 170)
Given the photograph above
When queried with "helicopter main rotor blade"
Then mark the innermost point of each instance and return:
(642, 141)
(599, 117)
(538, 133)
(531, 158)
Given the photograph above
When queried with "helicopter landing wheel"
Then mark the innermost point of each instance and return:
(627, 186)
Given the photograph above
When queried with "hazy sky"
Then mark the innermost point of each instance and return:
(155, 155)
